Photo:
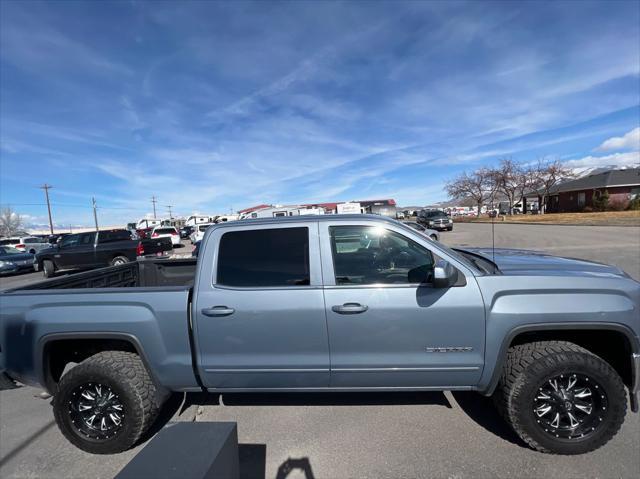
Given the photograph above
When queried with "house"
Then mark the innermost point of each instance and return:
(576, 195)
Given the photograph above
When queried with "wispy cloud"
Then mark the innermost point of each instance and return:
(629, 141)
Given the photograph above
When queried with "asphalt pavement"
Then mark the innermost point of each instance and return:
(381, 435)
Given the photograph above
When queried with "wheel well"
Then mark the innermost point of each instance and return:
(58, 354)
(612, 346)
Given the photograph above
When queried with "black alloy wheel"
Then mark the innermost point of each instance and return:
(570, 405)
(96, 411)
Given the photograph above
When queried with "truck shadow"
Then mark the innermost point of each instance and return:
(481, 410)
(436, 398)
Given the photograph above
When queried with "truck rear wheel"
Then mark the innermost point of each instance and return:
(106, 403)
(48, 268)
(560, 398)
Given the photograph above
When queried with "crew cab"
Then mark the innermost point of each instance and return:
(97, 249)
(332, 303)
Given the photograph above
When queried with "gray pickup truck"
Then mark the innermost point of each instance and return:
(332, 303)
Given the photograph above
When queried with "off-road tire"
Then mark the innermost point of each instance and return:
(48, 268)
(125, 374)
(119, 260)
(531, 364)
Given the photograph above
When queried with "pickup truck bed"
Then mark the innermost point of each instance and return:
(144, 273)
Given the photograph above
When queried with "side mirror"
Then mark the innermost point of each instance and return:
(444, 275)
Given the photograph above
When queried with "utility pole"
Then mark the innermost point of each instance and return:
(95, 213)
(170, 215)
(154, 201)
(46, 189)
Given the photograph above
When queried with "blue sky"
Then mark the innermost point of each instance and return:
(212, 106)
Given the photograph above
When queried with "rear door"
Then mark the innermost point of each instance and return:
(259, 310)
(80, 254)
(387, 327)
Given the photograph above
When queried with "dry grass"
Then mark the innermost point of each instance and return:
(607, 218)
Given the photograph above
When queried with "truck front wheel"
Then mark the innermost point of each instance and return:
(106, 403)
(560, 398)
(48, 268)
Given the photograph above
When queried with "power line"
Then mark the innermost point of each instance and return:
(169, 207)
(46, 189)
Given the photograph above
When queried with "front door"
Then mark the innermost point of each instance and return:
(259, 310)
(389, 328)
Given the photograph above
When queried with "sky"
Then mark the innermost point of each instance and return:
(217, 106)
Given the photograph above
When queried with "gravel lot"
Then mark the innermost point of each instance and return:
(356, 435)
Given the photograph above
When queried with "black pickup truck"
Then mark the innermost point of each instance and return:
(96, 250)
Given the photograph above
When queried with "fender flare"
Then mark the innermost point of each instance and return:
(43, 362)
(634, 341)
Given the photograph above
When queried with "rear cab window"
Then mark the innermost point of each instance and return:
(264, 258)
(110, 236)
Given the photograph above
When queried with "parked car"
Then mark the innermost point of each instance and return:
(332, 303)
(199, 231)
(96, 250)
(186, 231)
(28, 244)
(13, 260)
(434, 219)
(144, 233)
(166, 232)
(433, 234)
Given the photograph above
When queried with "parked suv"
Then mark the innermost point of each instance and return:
(26, 244)
(166, 232)
(434, 219)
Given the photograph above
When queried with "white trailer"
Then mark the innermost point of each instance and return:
(195, 220)
(349, 208)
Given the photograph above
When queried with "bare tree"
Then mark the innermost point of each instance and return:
(509, 178)
(478, 186)
(547, 174)
(10, 222)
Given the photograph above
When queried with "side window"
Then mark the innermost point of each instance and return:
(269, 257)
(68, 241)
(86, 238)
(374, 255)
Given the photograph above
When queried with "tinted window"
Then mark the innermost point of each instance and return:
(9, 241)
(118, 235)
(31, 240)
(164, 231)
(87, 238)
(272, 257)
(373, 255)
(70, 240)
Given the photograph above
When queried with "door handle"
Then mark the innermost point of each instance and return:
(217, 311)
(349, 308)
